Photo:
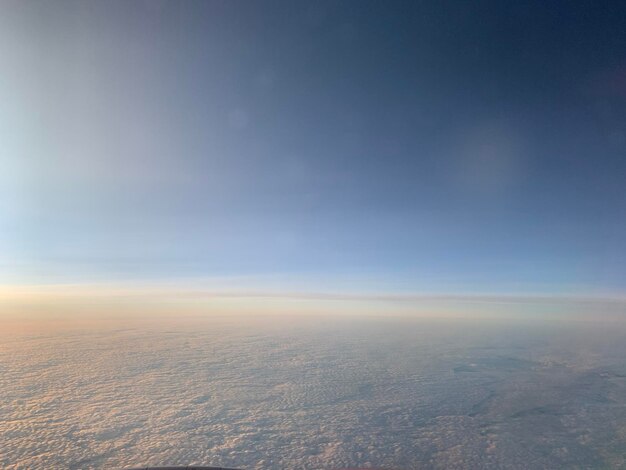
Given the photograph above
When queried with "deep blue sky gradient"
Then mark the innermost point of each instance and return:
(419, 146)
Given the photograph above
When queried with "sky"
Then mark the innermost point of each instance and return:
(408, 147)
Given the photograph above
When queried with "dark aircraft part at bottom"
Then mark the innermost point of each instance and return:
(193, 467)
(189, 467)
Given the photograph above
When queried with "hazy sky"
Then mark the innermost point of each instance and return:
(419, 146)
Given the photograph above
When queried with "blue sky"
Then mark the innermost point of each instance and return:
(431, 147)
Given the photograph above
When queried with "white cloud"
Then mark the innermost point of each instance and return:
(397, 394)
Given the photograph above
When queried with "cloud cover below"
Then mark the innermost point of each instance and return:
(313, 392)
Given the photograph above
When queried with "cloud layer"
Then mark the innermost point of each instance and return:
(314, 394)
